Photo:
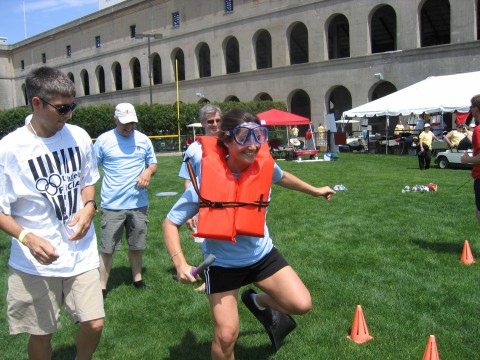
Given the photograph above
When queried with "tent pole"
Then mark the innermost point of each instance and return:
(386, 135)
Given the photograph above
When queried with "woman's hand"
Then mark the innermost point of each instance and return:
(184, 274)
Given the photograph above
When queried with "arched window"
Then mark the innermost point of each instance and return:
(298, 44)
(232, 56)
(117, 76)
(263, 97)
(478, 20)
(100, 79)
(263, 50)
(338, 37)
(203, 56)
(382, 89)
(157, 69)
(383, 30)
(232, 98)
(179, 61)
(85, 82)
(136, 72)
(300, 105)
(24, 93)
(70, 76)
(435, 23)
(339, 101)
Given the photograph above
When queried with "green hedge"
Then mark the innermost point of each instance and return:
(153, 119)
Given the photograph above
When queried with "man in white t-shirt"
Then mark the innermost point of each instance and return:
(129, 161)
(47, 188)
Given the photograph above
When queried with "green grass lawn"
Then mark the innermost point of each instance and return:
(397, 254)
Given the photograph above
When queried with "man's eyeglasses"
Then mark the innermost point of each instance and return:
(246, 135)
(63, 109)
(213, 121)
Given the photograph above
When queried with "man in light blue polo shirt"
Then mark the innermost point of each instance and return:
(128, 161)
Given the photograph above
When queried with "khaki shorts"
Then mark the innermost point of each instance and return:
(34, 302)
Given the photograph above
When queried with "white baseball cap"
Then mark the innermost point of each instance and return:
(125, 113)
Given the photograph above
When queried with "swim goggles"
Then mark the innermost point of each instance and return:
(249, 133)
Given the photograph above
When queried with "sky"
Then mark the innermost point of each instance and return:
(40, 16)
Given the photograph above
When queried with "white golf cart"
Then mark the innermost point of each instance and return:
(451, 159)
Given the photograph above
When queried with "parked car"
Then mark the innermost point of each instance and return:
(451, 159)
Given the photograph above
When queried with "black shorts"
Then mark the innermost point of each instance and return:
(220, 279)
(476, 189)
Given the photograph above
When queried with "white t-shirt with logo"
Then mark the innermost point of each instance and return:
(40, 187)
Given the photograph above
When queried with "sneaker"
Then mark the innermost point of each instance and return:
(140, 284)
(277, 324)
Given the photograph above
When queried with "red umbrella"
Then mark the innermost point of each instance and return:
(276, 117)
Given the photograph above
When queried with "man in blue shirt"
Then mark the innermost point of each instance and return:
(128, 161)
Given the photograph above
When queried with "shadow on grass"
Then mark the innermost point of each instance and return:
(446, 247)
(121, 275)
(68, 352)
(189, 348)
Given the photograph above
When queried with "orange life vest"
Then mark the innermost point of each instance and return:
(230, 205)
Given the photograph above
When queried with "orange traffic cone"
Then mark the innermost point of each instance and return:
(467, 256)
(431, 352)
(359, 332)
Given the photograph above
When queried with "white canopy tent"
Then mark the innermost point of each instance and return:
(193, 126)
(435, 94)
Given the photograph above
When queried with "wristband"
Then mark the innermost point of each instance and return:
(91, 201)
(178, 252)
(22, 236)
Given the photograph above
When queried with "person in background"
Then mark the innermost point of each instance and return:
(129, 162)
(425, 140)
(210, 116)
(399, 128)
(454, 137)
(309, 138)
(238, 236)
(466, 142)
(294, 132)
(47, 175)
(475, 158)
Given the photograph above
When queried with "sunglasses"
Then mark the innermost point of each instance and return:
(213, 121)
(63, 109)
(246, 135)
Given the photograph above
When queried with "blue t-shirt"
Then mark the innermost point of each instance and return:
(123, 158)
(246, 251)
(194, 153)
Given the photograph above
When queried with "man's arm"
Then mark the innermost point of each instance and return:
(40, 248)
(83, 218)
(447, 139)
(146, 175)
(420, 142)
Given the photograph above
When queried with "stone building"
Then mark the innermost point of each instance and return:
(320, 57)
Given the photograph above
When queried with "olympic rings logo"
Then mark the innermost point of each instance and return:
(50, 186)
